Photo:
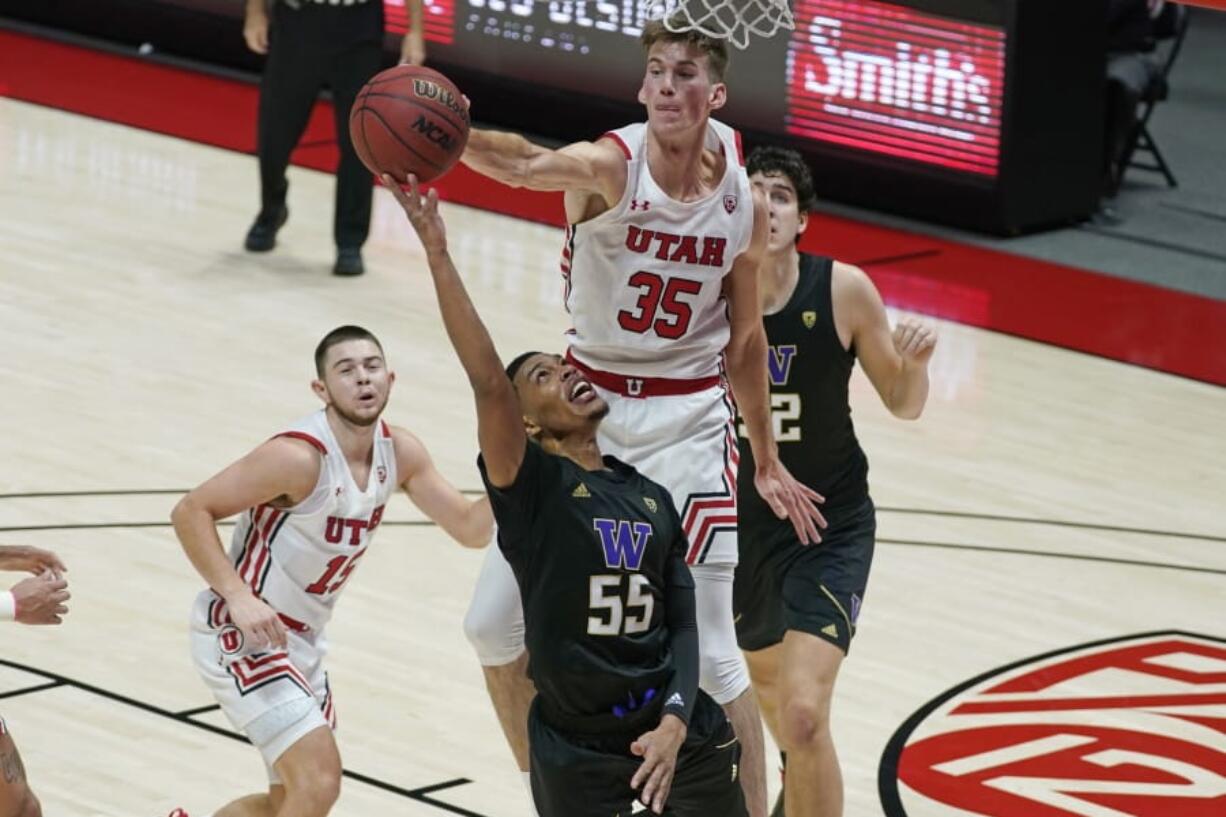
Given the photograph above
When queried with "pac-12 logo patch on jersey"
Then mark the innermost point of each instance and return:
(651, 504)
(1131, 726)
(381, 473)
(730, 204)
(809, 318)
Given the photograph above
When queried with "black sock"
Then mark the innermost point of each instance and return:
(783, 758)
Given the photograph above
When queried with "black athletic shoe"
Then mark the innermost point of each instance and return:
(262, 236)
(348, 262)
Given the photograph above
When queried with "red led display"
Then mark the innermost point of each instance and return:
(438, 19)
(887, 79)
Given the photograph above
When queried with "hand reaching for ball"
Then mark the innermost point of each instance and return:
(422, 212)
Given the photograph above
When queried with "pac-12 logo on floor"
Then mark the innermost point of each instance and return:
(1129, 727)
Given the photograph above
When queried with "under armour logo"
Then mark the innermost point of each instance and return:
(635, 204)
(634, 386)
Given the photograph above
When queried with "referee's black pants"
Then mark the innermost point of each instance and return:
(309, 47)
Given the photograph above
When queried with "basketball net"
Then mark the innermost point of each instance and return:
(732, 20)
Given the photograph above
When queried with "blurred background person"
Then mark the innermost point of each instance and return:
(311, 44)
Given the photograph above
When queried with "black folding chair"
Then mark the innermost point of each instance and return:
(1170, 30)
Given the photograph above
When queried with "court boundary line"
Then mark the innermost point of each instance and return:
(57, 681)
(420, 523)
(985, 517)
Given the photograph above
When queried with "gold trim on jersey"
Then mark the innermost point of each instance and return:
(846, 617)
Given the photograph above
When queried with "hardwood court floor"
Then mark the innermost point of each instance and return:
(143, 350)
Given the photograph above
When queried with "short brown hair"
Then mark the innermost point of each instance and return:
(715, 49)
(339, 335)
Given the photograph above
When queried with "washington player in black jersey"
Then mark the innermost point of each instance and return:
(796, 605)
(598, 551)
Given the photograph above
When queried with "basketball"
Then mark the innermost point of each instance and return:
(409, 119)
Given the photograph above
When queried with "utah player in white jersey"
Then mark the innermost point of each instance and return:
(39, 599)
(660, 266)
(309, 501)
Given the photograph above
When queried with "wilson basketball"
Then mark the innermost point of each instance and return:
(409, 119)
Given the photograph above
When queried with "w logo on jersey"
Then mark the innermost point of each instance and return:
(779, 364)
(624, 542)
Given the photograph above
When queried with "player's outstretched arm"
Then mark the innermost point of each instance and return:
(896, 362)
(591, 167)
(413, 47)
(283, 470)
(500, 425)
(746, 364)
(30, 560)
(469, 523)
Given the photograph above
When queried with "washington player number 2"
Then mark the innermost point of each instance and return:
(658, 296)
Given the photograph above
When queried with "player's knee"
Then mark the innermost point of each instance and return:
(495, 637)
(320, 788)
(723, 676)
(805, 719)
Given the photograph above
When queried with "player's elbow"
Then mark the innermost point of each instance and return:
(188, 509)
(905, 409)
(181, 511)
(907, 412)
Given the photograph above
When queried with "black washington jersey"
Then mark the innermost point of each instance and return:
(595, 554)
(809, 370)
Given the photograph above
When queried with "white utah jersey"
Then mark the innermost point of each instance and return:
(298, 559)
(644, 279)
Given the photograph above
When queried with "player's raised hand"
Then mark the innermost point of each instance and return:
(914, 340)
(30, 559)
(790, 499)
(40, 599)
(422, 211)
(658, 748)
(261, 626)
(413, 48)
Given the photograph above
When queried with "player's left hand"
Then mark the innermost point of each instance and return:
(422, 211)
(658, 748)
(30, 560)
(914, 340)
(790, 499)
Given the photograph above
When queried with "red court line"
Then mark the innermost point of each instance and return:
(1064, 306)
